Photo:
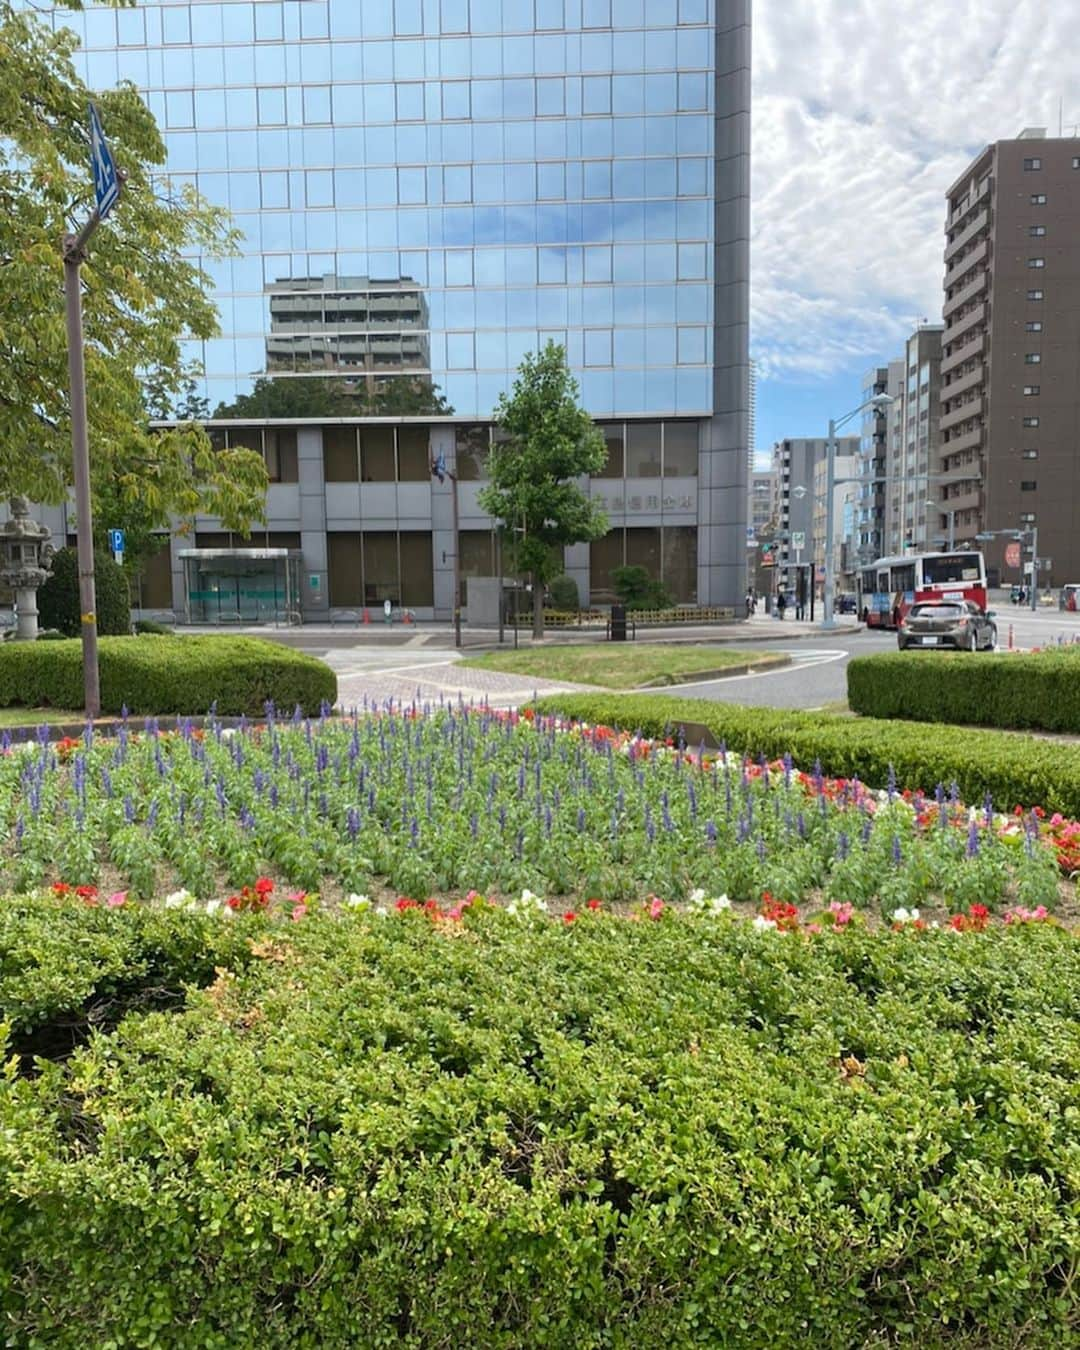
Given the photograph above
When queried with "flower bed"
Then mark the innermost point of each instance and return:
(442, 804)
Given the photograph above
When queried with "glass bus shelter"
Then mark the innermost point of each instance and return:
(242, 585)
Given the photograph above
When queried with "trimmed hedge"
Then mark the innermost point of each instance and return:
(168, 675)
(1014, 769)
(1028, 690)
(605, 1134)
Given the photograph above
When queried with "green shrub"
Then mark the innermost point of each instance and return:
(168, 675)
(1024, 690)
(563, 593)
(152, 626)
(1013, 769)
(51, 635)
(58, 598)
(636, 589)
(608, 1134)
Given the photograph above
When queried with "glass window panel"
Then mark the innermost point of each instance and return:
(155, 579)
(605, 555)
(176, 25)
(180, 108)
(596, 94)
(460, 353)
(268, 23)
(319, 187)
(377, 454)
(613, 439)
(412, 187)
(629, 347)
(381, 567)
(454, 16)
(598, 346)
(549, 14)
(379, 103)
(692, 91)
(414, 454)
(340, 460)
(455, 100)
(691, 261)
(279, 452)
(471, 452)
(476, 553)
(680, 449)
(551, 97)
(643, 450)
(693, 177)
(551, 181)
(597, 178)
(643, 550)
(409, 102)
(274, 193)
(680, 563)
(552, 267)
(692, 346)
(317, 103)
(314, 21)
(693, 11)
(660, 92)
(417, 569)
(519, 98)
(596, 13)
(271, 103)
(408, 17)
(459, 267)
(345, 568)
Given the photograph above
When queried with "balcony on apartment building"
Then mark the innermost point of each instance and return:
(970, 202)
(971, 379)
(976, 257)
(958, 355)
(963, 323)
(968, 440)
(959, 241)
(970, 500)
(965, 294)
(961, 413)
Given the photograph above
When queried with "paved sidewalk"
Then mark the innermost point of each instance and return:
(445, 683)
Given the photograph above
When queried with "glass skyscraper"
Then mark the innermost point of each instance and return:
(429, 189)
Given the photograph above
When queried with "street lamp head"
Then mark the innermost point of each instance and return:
(799, 492)
(882, 401)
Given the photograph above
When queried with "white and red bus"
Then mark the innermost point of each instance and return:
(901, 582)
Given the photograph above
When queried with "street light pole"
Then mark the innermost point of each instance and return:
(1034, 567)
(827, 620)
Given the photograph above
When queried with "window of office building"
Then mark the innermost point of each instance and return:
(472, 445)
(1031, 421)
(153, 584)
(414, 454)
(1038, 199)
(643, 449)
(477, 553)
(344, 568)
(1032, 163)
(417, 569)
(1036, 262)
(1028, 485)
(680, 449)
(341, 460)
(1032, 358)
(1034, 326)
(279, 452)
(1035, 295)
(680, 563)
(1030, 390)
(1036, 231)
(669, 555)
(377, 454)
(381, 578)
(614, 440)
(1029, 454)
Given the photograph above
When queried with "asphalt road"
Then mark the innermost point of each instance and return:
(818, 675)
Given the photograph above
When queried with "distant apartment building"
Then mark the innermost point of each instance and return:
(1010, 397)
(794, 467)
(878, 443)
(761, 505)
(911, 492)
(845, 505)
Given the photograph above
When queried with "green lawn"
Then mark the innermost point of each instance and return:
(623, 667)
(32, 717)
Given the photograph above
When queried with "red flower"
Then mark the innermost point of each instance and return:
(958, 922)
(62, 888)
(402, 903)
(264, 886)
(235, 902)
(593, 904)
(569, 916)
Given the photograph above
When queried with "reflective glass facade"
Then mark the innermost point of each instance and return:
(428, 189)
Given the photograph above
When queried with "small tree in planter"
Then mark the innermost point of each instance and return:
(550, 442)
(58, 598)
(636, 589)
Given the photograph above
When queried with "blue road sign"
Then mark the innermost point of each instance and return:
(116, 541)
(106, 179)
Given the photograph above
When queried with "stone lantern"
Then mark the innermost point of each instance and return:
(26, 554)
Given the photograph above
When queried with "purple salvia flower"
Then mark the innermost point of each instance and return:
(761, 848)
(581, 820)
(788, 765)
(843, 846)
(892, 783)
(973, 840)
(801, 825)
(988, 808)
(129, 810)
(897, 855)
(710, 832)
(868, 825)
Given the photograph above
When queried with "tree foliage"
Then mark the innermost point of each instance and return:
(550, 442)
(142, 293)
(330, 396)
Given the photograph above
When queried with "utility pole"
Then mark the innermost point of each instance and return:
(108, 182)
(442, 473)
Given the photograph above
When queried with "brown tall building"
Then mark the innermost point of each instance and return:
(1010, 368)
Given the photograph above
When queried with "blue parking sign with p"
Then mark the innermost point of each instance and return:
(116, 542)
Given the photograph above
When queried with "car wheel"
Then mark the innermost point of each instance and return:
(973, 641)
(992, 645)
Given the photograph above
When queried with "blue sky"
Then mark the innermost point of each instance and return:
(864, 112)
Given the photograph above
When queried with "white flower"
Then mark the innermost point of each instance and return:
(382, 911)
(902, 915)
(706, 904)
(180, 899)
(214, 906)
(764, 925)
(358, 902)
(227, 733)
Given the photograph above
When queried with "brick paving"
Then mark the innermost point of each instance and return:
(448, 683)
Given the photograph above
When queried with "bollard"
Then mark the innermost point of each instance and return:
(367, 616)
(1010, 637)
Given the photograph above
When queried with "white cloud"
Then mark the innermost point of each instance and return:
(865, 111)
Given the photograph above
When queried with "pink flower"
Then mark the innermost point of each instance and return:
(842, 913)
(298, 912)
(656, 907)
(456, 912)
(813, 928)
(117, 900)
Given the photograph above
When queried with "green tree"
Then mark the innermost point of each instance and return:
(58, 598)
(329, 396)
(550, 442)
(142, 293)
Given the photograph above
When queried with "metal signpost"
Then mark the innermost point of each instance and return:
(108, 181)
(116, 545)
(442, 473)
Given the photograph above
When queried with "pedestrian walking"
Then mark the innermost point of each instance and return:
(781, 602)
(749, 603)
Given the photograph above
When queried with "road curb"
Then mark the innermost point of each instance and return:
(775, 661)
